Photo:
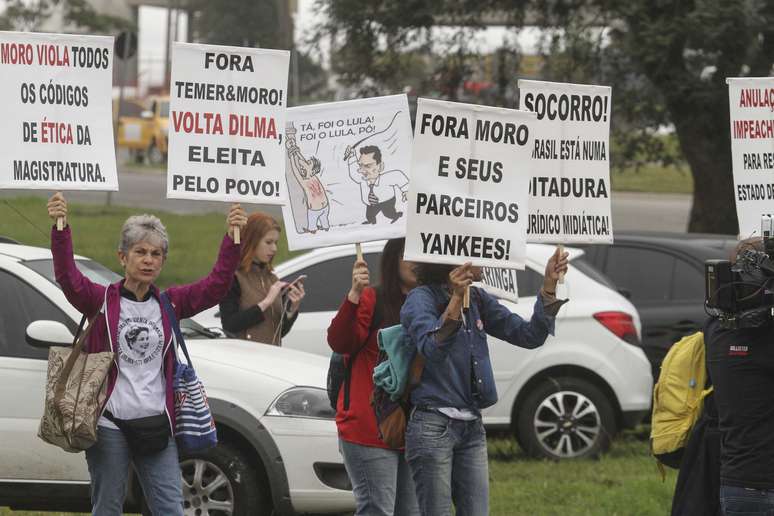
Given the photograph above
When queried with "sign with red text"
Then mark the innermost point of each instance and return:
(57, 128)
(227, 124)
(347, 171)
(751, 103)
(469, 178)
(570, 190)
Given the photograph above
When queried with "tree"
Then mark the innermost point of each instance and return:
(25, 15)
(243, 23)
(667, 62)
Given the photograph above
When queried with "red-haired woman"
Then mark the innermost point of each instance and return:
(259, 306)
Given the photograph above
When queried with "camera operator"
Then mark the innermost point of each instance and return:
(740, 359)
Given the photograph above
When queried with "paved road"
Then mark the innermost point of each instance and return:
(147, 190)
(653, 212)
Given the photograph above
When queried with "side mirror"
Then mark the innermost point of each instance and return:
(146, 114)
(625, 292)
(44, 334)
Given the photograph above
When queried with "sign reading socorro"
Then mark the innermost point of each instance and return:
(752, 150)
(347, 171)
(500, 283)
(570, 158)
(469, 177)
(57, 129)
(227, 124)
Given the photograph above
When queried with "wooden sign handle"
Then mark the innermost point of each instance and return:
(59, 223)
(359, 251)
(561, 252)
(237, 239)
(466, 299)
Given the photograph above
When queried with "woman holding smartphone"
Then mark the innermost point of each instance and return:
(259, 306)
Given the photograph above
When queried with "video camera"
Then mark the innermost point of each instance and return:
(740, 294)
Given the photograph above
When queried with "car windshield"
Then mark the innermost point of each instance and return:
(94, 271)
(590, 271)
(102, 275)
(193, 330)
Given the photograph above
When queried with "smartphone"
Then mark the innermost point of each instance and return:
(299, 279)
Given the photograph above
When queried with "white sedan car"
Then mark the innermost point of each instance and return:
(278, 451)
(565, 399)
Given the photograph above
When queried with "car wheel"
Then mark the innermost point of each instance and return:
(565, 418)
(219, 482)
(155, 156)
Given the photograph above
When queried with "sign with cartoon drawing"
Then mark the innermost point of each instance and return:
(347, 171)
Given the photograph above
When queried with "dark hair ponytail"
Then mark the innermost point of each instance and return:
(390, 288)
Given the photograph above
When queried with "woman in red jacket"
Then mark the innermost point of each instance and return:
(380, 476)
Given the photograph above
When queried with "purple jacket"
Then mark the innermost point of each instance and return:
(187, 300)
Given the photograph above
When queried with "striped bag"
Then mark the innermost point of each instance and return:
(194, 425)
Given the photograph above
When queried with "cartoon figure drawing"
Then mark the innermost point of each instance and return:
(306, 172)
(378, 189)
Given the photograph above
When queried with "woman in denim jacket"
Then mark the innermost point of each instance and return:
(445, 438)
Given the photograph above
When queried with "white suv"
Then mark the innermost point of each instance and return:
(278, 451)
(565, 399)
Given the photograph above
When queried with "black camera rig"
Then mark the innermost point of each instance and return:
(740, 295)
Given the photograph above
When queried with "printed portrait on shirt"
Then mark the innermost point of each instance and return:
(140, 341)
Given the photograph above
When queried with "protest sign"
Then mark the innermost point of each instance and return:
(570, 159)
(227, 124)
(500, 283)
(57, 130)
(469, 179)
(752, 150)
(347, 171)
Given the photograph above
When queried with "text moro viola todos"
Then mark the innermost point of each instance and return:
(46, 54)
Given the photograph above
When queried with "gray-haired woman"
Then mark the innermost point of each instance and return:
(139, 385)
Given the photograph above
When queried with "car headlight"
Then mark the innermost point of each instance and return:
(308, 402)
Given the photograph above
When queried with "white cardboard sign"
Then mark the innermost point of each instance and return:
(227, 124)
(500, 283)
(347, 171)
(470, 172)
(57, 129)
(752, 150)
(570, 190)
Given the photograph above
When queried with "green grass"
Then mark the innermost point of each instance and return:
(624, 482)
(653, 178)
(193, 239)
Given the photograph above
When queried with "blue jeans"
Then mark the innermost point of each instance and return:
(448, 461)
(159, 475)
(741, 501)
(380, 480)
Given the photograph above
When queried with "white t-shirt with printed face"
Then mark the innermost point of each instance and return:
(140, 388)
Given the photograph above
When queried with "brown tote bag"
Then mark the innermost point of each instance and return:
(76, 387)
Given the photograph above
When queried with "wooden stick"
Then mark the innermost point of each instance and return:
(359, 251)
(561, 252)
(466, 299)
(237, 239)
(59, 223)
